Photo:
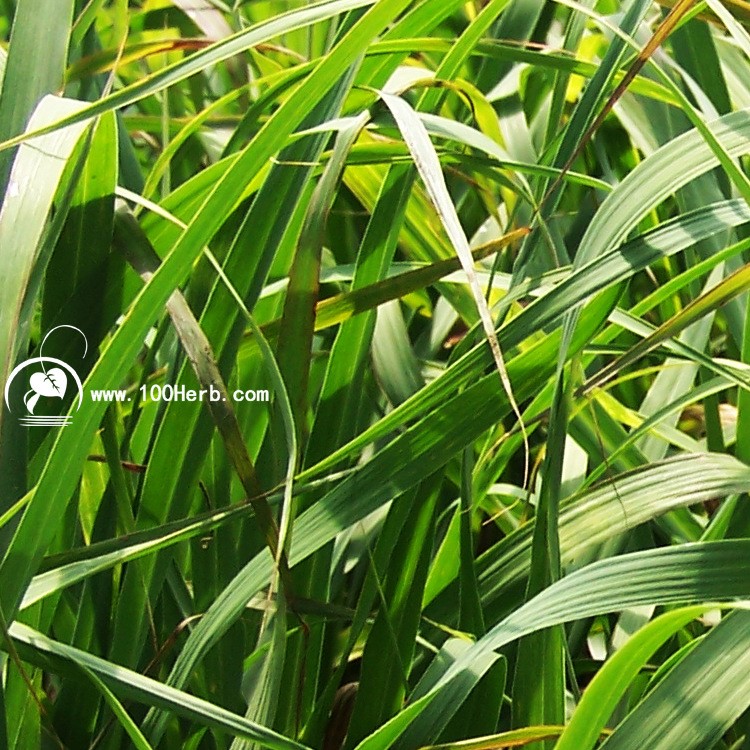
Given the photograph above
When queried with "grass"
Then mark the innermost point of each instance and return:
(468, 282)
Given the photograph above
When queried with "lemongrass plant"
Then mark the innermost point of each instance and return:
(375, 374)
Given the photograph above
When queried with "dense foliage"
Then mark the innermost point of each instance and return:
(468, 281)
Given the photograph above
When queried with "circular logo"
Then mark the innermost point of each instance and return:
(46, 383)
